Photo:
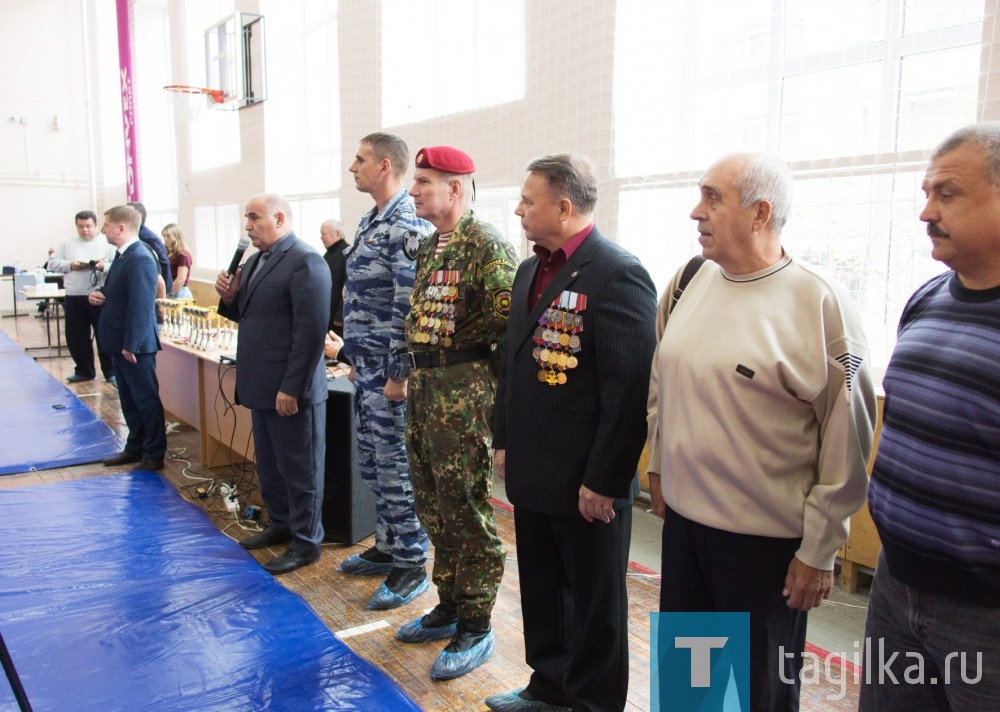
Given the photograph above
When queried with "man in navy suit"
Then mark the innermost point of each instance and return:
(281, 300)
(569, 427)
(127, 329)
(156, 245)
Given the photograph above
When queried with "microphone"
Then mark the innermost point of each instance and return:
(240, 249)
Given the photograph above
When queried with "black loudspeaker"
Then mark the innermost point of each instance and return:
(348, 504)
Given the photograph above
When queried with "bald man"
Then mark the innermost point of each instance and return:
(281, 300)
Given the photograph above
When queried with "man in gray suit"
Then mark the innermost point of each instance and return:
(281, 300)
(569, 428)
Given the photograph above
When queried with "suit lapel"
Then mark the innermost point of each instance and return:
(267, 267)
(117, 263)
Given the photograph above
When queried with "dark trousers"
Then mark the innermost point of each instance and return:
(81, 330)
(574, 604)
(139, 393)
(710, 570)
(290, 452)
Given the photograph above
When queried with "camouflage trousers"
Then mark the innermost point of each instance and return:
(383, 466)
(448, 436)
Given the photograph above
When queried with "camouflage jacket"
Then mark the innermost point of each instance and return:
(380, 266)
(461, 297)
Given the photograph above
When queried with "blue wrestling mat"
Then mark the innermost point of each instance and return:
(116, 594)
(42, 422)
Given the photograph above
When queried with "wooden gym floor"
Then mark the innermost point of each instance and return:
(340, 599)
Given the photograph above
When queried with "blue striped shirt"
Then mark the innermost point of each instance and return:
(935, 489)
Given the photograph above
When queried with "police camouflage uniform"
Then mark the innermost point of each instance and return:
(450, 410)
(376, 301)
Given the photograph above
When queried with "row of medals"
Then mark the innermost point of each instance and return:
(558, 339)
(436, 315)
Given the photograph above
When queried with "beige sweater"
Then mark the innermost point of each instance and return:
(762, 407)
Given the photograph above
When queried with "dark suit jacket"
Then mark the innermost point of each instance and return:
(337, 261)
(128, 318)
(283, 314)
(156, 244)
(591, 429)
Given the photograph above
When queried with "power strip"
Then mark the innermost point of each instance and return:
(232, 504)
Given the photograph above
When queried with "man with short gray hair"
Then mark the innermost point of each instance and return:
(280, 300)
(568, 432)
(761, 412)
(934, 497)
(331, 234)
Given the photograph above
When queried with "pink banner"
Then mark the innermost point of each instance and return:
(128, 103)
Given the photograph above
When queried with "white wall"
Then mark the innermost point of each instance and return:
(45, 162)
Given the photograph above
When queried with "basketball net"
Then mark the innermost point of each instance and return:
(188, 102)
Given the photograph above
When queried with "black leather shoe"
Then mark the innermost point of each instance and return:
(269, 537)
(122, 458)
(289, 561)
(77, 378)
(149, 465)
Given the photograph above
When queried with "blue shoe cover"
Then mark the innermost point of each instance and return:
(513, 702)
(448, 666)
(358, 566)
(383, 598)
(414, 632)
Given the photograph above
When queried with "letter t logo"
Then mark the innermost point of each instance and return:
(701, 657)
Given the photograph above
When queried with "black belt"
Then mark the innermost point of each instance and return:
(443, 358)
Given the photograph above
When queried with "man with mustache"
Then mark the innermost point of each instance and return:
(934, 491)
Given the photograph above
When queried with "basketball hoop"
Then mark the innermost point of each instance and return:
(189, 101)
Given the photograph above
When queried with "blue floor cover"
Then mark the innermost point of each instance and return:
(42, 422)
(116, 594)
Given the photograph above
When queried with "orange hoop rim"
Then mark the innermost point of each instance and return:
(214, 94)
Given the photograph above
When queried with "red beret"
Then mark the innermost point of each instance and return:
(446, 159)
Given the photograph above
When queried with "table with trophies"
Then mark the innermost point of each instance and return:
(197, 380)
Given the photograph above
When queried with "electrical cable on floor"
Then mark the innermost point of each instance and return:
(177, 456)
(243, 474)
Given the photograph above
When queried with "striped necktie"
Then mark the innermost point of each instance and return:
(259, 266)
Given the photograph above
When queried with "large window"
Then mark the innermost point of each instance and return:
(153, 109)
(444, 56)
(215, 134)
(109, 97)
(219, 229)
(302, 126)
(852, 94)
(496, 206)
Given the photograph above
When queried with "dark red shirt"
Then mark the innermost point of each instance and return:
(549, 263)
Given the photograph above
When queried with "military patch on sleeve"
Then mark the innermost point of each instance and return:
(501, 302)
(496, 264)
(411, 243)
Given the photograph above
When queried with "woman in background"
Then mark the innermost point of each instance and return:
(180, 262)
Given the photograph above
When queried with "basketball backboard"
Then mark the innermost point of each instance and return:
(234, 60)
